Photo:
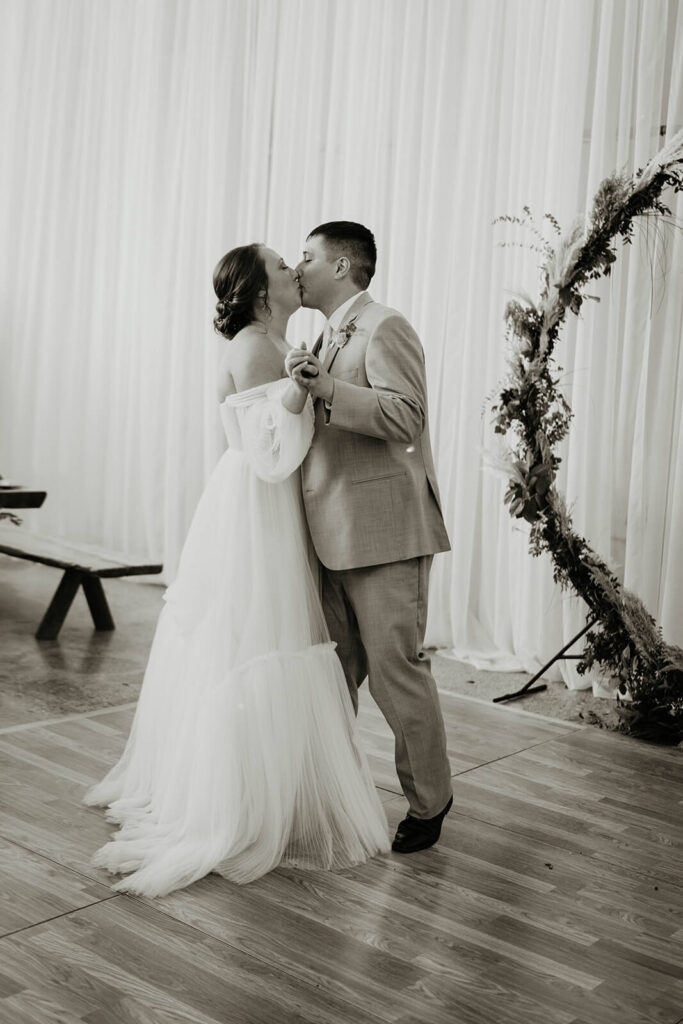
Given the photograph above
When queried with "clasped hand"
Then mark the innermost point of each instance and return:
(307, 370)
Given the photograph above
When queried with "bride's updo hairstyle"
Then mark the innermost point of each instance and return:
(237, 281)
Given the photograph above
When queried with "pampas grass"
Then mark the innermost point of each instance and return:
(533, 417)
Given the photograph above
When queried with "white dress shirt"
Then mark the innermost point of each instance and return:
(334, 323)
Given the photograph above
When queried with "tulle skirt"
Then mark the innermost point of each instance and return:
(244, 751)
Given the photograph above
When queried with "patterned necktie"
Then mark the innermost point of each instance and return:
(327, 342)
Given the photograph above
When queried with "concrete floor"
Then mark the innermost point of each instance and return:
(84, 670)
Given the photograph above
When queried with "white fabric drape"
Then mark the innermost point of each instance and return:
(141, 139)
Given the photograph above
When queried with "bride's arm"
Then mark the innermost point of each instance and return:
(294, 397)
(275, 438)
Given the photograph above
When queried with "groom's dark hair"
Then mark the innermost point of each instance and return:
(355, 242)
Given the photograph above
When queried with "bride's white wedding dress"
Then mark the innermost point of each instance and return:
(244, 751)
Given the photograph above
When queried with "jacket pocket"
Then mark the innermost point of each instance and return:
(379, 476)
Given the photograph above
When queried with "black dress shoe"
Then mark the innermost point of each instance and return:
(415, 834)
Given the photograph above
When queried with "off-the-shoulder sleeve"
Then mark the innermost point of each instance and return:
(275, 440)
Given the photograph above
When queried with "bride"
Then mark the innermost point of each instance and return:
(244, 751)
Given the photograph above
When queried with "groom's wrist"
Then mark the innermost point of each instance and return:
(327, 402)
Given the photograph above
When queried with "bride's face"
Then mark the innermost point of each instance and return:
(283, 283)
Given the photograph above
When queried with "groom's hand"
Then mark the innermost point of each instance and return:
(307, 370)
(312, 374)
(296, 362)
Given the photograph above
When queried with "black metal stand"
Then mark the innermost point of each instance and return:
(560, 656)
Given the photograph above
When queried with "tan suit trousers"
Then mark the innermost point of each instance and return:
(377, 616)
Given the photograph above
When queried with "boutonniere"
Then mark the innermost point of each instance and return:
(344, 333)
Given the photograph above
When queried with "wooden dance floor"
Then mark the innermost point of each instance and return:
(555, 895)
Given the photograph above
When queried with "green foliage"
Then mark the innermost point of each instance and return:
(534, 416)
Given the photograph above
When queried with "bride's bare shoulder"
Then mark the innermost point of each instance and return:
(249, 360)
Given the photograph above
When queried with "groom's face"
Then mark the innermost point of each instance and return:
(317, 273)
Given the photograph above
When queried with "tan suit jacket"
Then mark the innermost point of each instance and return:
(368, 481)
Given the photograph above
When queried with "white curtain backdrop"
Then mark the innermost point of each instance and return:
(141, 139)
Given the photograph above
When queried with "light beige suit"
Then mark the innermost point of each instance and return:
(373, 511)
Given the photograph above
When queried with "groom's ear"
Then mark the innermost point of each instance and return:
(343, 267)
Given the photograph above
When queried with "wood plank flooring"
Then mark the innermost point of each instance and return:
(555, 895)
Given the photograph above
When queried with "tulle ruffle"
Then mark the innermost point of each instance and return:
(268, 772)
(244, 752)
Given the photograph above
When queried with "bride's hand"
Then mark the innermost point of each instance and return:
(300, 365)
(313, 375)
(296, 359)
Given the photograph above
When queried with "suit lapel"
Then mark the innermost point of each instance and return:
(333, 351)
(330, 356)
(317, 343)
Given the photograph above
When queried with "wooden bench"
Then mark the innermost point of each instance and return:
(83, 567)
(14, 496)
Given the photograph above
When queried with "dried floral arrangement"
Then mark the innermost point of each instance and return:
(625, 641)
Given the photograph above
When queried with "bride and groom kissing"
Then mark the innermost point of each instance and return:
(244, 752)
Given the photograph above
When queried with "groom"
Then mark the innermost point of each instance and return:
(372, 505)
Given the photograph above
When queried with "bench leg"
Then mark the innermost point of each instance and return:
(53, 618)
(97, 602)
